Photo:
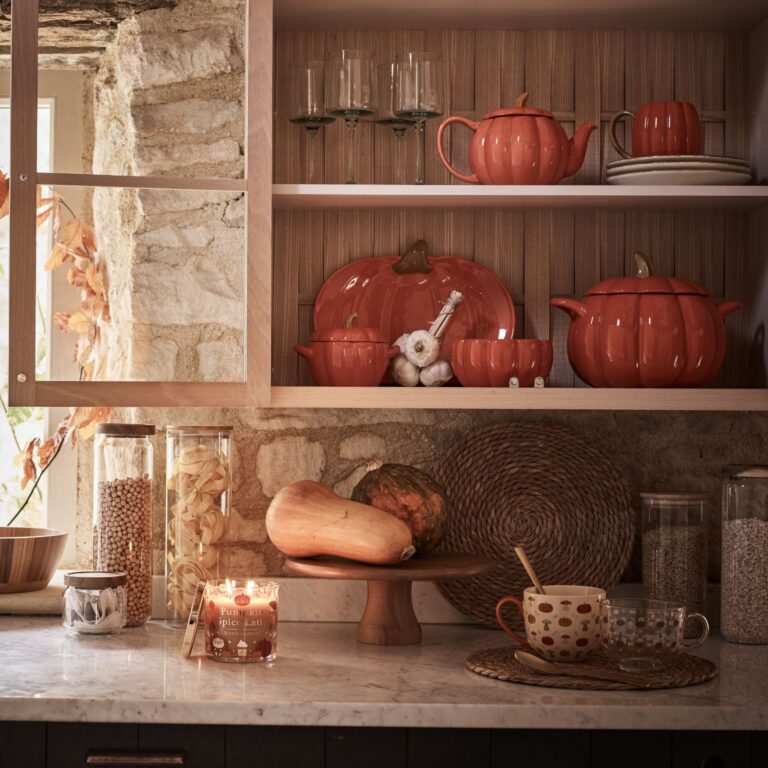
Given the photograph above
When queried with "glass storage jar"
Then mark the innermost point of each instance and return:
(122, 505)
(95, 602)
(675, 549)
(197, 504)
(744, 555)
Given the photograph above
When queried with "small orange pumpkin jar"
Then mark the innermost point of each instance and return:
(348, 357)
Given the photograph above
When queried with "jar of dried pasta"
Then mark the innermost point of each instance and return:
(122, 511)
(197, 503)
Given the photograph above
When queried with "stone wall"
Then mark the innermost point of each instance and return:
(655, 451)
(169, 101)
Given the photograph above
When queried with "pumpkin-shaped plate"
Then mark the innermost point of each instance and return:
(401, 295)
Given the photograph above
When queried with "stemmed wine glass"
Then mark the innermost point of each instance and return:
(386, 114)
(351, 94)
(419, 95)
(308, 104)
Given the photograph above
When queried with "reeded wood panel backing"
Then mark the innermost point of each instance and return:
(580, 76)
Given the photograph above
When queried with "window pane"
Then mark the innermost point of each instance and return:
(21, 425)
(159, 285)
(164, 95)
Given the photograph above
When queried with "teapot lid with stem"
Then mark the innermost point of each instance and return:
(644, 281)
(519, 109)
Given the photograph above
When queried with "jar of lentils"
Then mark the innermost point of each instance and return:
(675, 548)
(122, 511)
(744, 557)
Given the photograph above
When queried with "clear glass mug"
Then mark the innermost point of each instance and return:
(641, 635)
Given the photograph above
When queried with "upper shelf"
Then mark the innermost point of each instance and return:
(319, 196)
(521, 14)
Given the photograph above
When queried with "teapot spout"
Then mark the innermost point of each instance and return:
(575, 309)
(577, 147)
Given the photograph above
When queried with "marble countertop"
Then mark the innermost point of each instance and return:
(324, 677)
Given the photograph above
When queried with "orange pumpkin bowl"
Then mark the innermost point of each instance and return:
(28, 558)
(492, 363)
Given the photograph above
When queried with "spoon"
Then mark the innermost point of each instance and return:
(520, 552)
(544, 667)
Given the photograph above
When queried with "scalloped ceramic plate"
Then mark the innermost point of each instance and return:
(398, 304)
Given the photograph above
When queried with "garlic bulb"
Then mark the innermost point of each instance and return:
(401, 342)
(436, 374)
(422, 348)
(405, 373)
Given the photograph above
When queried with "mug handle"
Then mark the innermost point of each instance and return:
(697, 641)
(473, 127)
(612, 132)
(499, 606)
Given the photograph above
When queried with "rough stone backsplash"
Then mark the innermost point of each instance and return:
(655, 451)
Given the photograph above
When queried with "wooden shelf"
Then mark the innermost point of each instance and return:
(520, 14)
(327, 196)
(577, 398)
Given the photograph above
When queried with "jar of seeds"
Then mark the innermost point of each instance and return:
(744, 571)
(122, 511)
(675, 549)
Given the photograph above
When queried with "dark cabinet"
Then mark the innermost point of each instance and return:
(280, 746)
(449, 748)
(368, 747)
(693, 749)
(22, 745)
(529, 748)
(68, 745)
(203, 746)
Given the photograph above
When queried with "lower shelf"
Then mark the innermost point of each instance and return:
(565, 398)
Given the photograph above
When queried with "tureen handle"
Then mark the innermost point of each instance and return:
(415, 260)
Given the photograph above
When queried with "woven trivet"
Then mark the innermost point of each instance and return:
(544, 488)
(499, 663)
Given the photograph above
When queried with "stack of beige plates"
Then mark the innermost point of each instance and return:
(679, 169)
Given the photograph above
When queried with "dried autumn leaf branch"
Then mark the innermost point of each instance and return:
(74, 244)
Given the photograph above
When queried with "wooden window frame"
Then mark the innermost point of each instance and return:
(23, 387)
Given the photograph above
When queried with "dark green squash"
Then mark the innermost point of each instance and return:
(410, 495)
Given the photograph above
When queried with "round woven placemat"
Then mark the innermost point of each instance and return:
(544, 488)
(500, 664)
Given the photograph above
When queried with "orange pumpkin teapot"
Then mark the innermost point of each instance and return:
(519, 145)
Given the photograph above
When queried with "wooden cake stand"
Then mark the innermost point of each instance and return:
(389, 618)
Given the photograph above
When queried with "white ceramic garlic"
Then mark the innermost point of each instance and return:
(405, 373)
(436, 374)
(422, 348)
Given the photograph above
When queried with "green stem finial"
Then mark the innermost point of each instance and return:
(414, 261)
(644, 264)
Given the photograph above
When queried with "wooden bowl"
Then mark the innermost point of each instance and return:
(28, 557)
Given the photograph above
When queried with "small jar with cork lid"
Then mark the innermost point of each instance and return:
(122, 511)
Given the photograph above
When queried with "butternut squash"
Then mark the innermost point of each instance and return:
(306, 519)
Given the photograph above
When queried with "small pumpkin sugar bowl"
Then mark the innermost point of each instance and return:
(348, 356)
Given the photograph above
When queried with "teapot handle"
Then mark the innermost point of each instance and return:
(612, 132)
(473, 127)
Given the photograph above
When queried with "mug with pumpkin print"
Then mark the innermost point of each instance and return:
(561, 625)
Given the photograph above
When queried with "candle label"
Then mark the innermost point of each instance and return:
(240, 628)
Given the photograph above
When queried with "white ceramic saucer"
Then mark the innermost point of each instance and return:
(708, 159)
(681, 176)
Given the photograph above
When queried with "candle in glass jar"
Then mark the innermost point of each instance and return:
(241, 620)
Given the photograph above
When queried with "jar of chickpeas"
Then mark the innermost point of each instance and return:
(122, 496)
(197, 503)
